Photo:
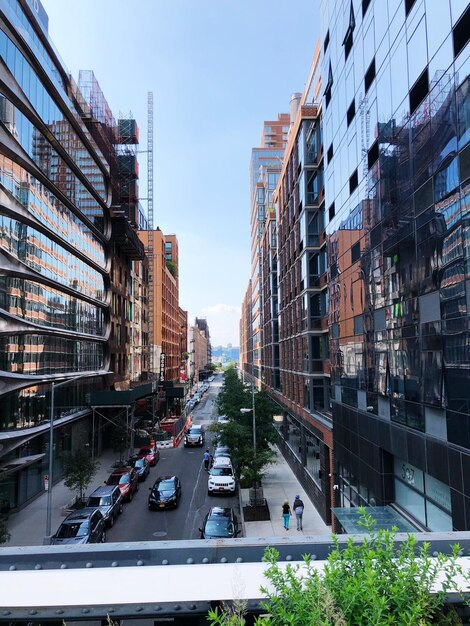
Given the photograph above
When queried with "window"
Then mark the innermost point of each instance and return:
(419, 91)
(348, 38)
(461, 32)
(353, 181)
(351, 112)
(373, 154)
(365, 6)
(327, 41)
(329, 153)
(408, 6)
(369, 75)
(331, 211)
(329, 85)
(355, 252)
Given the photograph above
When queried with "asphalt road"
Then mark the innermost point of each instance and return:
(137, 523)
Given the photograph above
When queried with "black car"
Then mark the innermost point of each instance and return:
(194, 437)
(141, 466)
(165, 493)
(83, 526)
(220, 523)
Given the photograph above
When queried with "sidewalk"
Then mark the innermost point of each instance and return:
(27, 527)
(280, 484)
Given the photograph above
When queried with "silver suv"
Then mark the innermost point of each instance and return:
(109, 501)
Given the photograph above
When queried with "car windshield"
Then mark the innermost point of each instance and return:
(195, 431)
(146, 451)
(73, 529)
(221, 471)
(125, 479)
(219, 528)
(139, 463)
(165, 485)
(97, 501)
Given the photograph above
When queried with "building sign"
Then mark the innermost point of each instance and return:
(162, 367)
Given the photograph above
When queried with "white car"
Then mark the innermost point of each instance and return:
(221, 479)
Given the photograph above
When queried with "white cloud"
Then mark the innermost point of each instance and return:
(224, 323)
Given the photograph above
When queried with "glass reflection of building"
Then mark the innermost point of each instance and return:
(54, 229)
(396, 131)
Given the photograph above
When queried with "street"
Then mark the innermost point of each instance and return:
(137, 523)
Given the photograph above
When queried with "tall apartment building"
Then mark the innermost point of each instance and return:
(266, 162)
(246, 336)
(166, 333)
(199, 341)
(396, 130)
(203, 326)
(54, 273)
(294, 291)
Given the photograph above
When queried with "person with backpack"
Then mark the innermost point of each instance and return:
(298, 508)
(207, 457)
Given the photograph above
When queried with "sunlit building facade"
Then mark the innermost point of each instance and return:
(56, 221)
(396, 131)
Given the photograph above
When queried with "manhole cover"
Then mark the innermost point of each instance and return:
(159, 533)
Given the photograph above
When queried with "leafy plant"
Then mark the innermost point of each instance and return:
(4, 534)
(79, 471)
(377, 581)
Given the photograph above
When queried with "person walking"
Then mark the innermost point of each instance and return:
(286, 513)
(298, 508)
(207, 457)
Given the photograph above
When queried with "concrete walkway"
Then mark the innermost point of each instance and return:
(280, 484)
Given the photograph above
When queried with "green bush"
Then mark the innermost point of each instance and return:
(373, 582)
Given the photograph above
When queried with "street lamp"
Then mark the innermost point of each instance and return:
(257, 490)
(54, 385)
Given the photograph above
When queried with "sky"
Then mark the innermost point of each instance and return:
(217, 70)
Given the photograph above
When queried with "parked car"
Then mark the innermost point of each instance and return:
(141, 466)
(151, 453)
(194, 436)
(220, 523)
(127, 480)
(196, 398)
(222, 419)
(165, 493)
(221, 479)
(82, 526)
(109, 500)
(221, 451)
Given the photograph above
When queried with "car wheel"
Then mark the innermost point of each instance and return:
(103, 537)
(121, 508)
(111, 521)
(130, 496)
(209, 492)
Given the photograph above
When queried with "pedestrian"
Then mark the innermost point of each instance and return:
(207, 457)
(286, 513)
(211, 461)
(298, 508)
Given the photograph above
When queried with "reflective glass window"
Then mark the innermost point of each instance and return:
(46, 208)
(37, 251)
(43, 305)
(50, 162)
(59, 126)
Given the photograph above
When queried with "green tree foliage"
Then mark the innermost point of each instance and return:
(4, 534)
(172, 268)
(375, 582)
(237, 434)
(79, 471)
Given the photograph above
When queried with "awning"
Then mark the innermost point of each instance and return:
(15, 464)
(384, 516)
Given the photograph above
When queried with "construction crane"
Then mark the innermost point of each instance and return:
(150, 245)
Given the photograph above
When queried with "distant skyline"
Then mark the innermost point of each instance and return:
(217, 70)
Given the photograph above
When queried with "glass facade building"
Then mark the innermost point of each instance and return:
(54, 254)
(396, 131)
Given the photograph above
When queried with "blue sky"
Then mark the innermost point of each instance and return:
(217, 69)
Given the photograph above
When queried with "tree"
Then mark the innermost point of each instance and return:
(79, 471)
(237, 434)
(4, 534)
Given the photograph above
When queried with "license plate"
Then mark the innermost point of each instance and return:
(162, 506)
(221, 488)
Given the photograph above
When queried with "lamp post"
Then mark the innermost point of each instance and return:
(257, 491)
(54, 385)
